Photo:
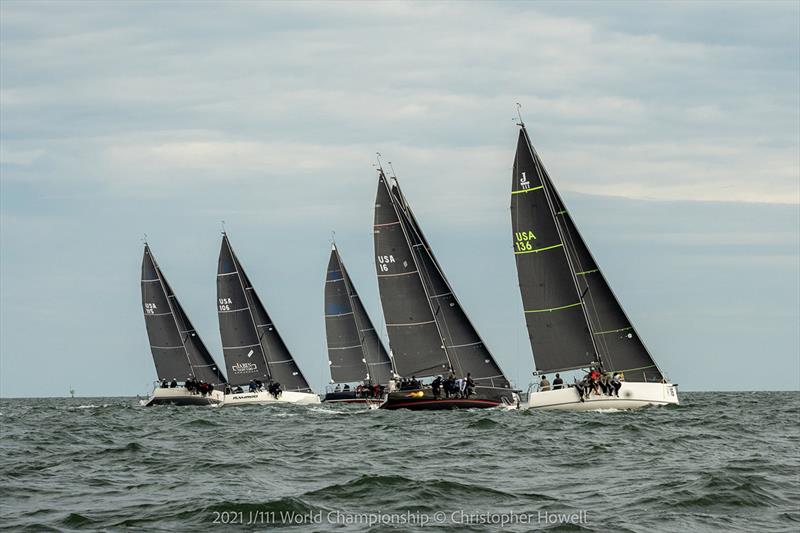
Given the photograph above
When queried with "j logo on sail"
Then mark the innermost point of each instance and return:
(523, 182)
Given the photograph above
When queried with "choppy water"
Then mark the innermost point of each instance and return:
(720, 461)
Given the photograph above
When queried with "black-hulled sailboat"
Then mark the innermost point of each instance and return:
(429, 332)
(260, 367)
(574, 320)
(356, 355)
(187, 373)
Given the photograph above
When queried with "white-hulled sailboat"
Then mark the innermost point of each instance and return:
(178, 352)
(574, 320)
(256, 357)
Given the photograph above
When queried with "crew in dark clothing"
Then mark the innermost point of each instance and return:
(346, 388)
(469, 385)
(450, 385)
(173, 384)
(228, 389)
(558, 383)
(190, 384)
(238, 390)
(252, 386)
(274, 389)
(164, 383)
(436, 387)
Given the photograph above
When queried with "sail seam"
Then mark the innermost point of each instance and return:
(240, 346)
(614, 330)
(158, 314)
(346, 347)
(464, 345)
(340, 314)
(410, 324)
(400, 274)
(537, 250)
(527, 190)
(552, 308)
(234, 310)
(387, 224)
(168, 348)
(228, 273)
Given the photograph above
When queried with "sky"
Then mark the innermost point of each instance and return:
(671, 129)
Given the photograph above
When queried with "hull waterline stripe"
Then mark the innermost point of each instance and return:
(526, 190)
(537, 250)
(552, 308)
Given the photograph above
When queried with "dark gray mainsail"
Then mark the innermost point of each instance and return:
(464, 346)
(414, 337)
(251, 343)
(620, 347)
(573, 317)
(355, 352)
(554, 313)
(178, 351)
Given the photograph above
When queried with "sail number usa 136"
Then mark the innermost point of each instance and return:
(523, 239)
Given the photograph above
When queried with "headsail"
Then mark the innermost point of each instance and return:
(178, 351)
(252, 346)
(355, 351)
(573, 317)
(619, 346)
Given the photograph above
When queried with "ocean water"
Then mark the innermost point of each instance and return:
(718, 462)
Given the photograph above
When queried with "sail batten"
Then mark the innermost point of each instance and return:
(178, 351)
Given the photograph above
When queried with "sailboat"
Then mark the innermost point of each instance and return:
(178, 352)
(430, 334)
(574, 320)
(255, 355)
(355, 352)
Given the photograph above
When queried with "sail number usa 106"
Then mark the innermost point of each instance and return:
(523, 239)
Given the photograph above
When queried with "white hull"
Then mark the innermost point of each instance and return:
(265, 398)
(631, 396)
(181, 396)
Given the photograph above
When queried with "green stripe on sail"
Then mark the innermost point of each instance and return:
(561, 213)
(535, 250)
(527, 190)
(614, 331)
(587, 272)
(552, 308)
